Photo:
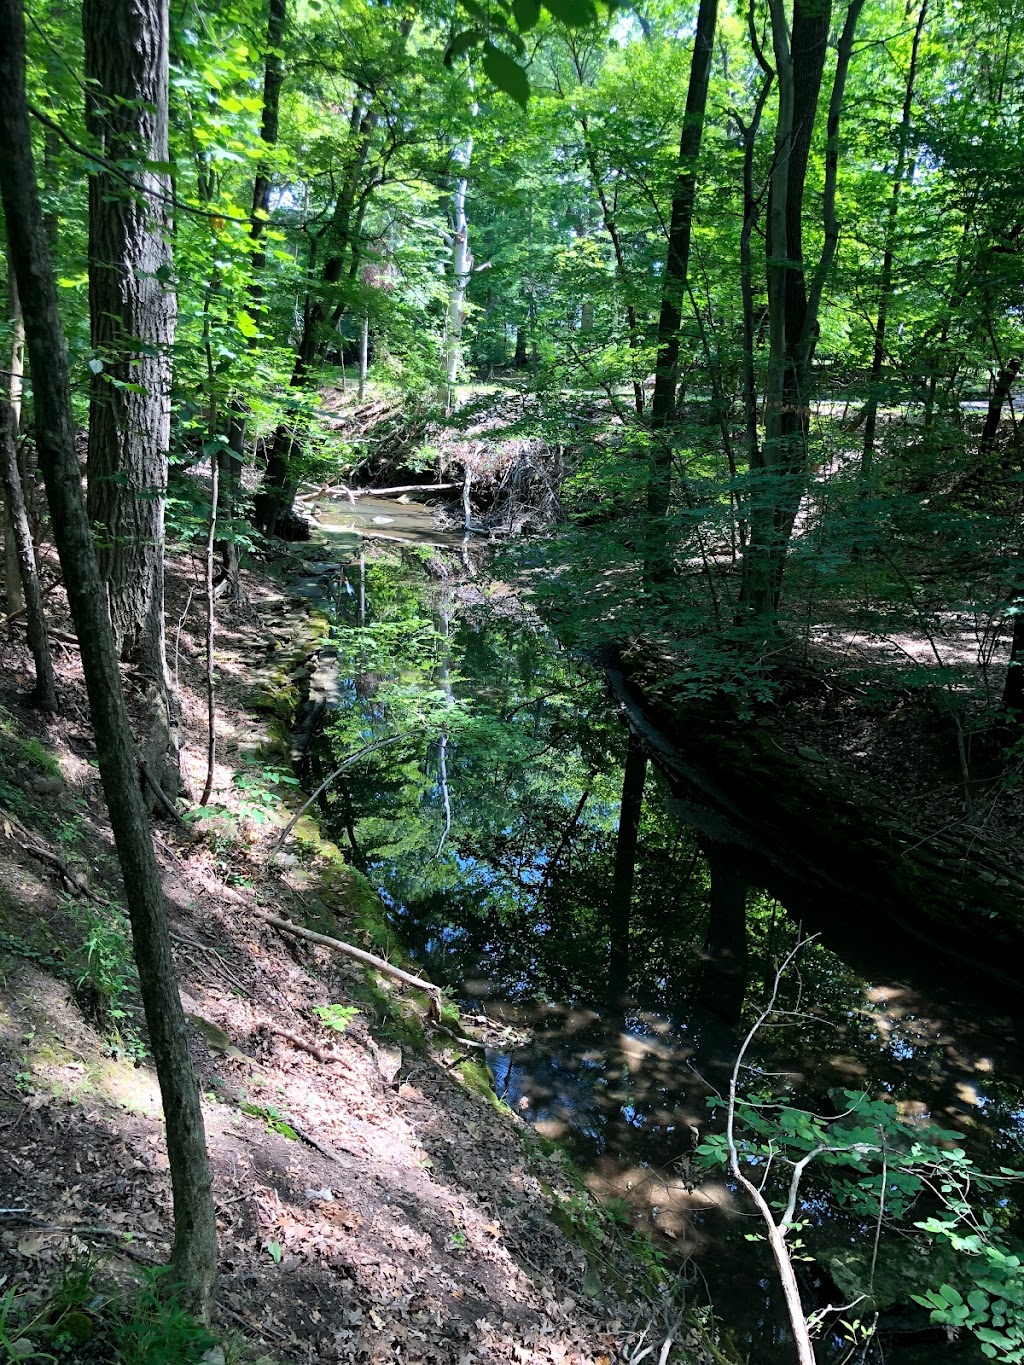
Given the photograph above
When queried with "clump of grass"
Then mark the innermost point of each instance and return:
(143, 1325)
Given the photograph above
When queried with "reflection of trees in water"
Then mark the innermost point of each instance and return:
(517, 903)
(519, 898)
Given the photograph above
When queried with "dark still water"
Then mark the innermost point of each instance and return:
(491, 829)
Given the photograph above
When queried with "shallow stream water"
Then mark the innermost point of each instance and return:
(489, 828)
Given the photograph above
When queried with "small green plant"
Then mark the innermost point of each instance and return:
(157, 1330)
(259, 798)
(273, 1118)
(873, 1163)
(37, 755)
(337, 1017)
(994, 1309)
(16, 1322)
(103, 962)
(62, 1317)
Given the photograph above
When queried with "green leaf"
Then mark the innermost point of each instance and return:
(507, 75)
(96, 365)
(462, 42)
(526, 12)
(573, 13)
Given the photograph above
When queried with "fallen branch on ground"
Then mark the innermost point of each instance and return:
(394, 492)
(301, 1043)
(45, 855)
(349, 950)
(158, 791)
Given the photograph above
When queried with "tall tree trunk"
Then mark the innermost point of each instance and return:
(793, 308)
(903, 172)
(633, 779)
(748, 370)
(521, 358)
(273, 82)
(462, 268)
(279, 480)
(132, 312)
(1002, 387)
(611, 226)
(17, 532)
(673, 295)
(194, 1253)
(364, 351)
(13, 387)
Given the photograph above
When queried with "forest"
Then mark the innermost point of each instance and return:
(512, 681)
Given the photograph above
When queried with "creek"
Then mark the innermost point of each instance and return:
(490, 832)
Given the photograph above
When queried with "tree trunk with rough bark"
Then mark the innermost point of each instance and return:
(13, 387)
(18, 532)
(194, 1252)
(133, 312)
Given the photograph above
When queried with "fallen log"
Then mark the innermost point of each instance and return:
(350, 950)
(394, 492)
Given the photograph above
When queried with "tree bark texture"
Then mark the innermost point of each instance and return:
(194, 1253)
(17, 531)
(133, 312)
(13, 385)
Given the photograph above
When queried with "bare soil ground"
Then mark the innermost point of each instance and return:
(374, 1202)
